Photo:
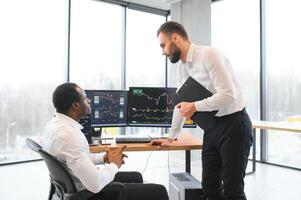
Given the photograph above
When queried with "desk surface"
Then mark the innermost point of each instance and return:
(280, 126)
(185, 142)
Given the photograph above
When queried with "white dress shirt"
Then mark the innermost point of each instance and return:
(213, 70)
(63, 139)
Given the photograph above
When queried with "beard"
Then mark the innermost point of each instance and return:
(175, 54)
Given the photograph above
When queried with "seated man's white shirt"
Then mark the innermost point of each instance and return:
(63, 139)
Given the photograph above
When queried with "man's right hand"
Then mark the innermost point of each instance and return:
(162, 142)
(115, 155)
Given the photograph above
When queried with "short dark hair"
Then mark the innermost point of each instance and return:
(171, 27)
(64, 96)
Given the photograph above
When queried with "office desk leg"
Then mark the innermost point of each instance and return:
(253, 153)
(188, 161)
(254, 150)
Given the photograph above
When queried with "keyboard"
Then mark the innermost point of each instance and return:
(136, 139)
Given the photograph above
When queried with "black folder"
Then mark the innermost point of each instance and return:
(192, 91)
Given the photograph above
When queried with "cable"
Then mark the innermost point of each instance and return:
(168, 162)
(146, 163)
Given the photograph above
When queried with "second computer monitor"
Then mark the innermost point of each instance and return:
(152, 106)
(149, 106)
(108, 107)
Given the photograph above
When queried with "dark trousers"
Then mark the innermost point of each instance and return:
(136, 190)
(226, 147)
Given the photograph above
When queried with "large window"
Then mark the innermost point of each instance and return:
(284, 83)
(236, 31)
(97, 47)
(33, 50)
(145, 65)
(96, 44)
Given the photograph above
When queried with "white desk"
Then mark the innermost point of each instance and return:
(280, 126)
(269, 125)
(185, 142)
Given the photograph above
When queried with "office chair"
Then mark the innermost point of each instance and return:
(62, 186)
(33, 145)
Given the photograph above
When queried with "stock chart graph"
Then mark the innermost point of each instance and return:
(108, 108)
(150, 106)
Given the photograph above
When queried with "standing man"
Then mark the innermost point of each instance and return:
(64, 140)
(228, 137)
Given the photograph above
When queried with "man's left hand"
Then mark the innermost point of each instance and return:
(187, 109)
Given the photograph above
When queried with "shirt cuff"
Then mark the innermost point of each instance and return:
(200, 106)
(97, 158)
(101, 155)
(113, 167)
(174, 133)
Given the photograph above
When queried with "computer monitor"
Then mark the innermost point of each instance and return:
(108, 107)
(87, 130)
(152, 106)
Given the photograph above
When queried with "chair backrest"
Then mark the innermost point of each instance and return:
(62, 185)
(59, 175)
(33, 145)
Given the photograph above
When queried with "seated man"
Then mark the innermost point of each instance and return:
(64, 140)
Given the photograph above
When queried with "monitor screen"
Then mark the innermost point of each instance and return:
(152, 106)
(86, 123)
(108, 107)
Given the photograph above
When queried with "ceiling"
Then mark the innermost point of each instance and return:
(155, 3)
(152, 3)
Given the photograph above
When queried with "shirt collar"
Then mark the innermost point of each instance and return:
(190, 52)
(68, 120)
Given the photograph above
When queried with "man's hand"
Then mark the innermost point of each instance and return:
(162, 142)
(116, 155)
(187, 109)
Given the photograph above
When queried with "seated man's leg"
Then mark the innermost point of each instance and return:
(135, 191)
(112, 191)
(138, 191)
(128, 177)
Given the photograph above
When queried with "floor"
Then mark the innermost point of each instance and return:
(30, 181)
